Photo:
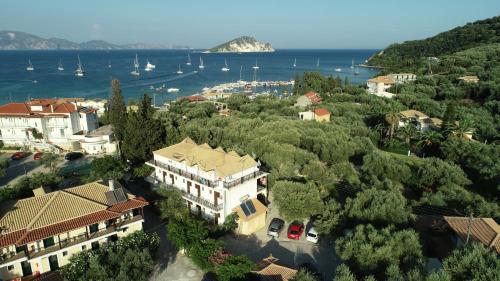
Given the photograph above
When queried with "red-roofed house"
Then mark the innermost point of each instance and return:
(318, 114)
(196, 98)
(41, 233)
(308, 99)
(57, 120)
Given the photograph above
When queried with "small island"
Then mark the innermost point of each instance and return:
(243, 44)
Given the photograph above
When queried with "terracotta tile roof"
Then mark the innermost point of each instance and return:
(484, 230)
(270, 271)
(321, 111)
(195, 98)
(38, 108)
(413, 114)
(382, 79)
(207, 158)
(48, 214)
(314, 97)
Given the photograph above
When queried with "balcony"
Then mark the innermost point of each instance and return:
(82, 238)
(191, 197)
(183, 173)
(11, 256)
(241, 180)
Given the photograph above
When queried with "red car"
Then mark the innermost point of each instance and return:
(295, 230)
(19, 155)
(37, 156)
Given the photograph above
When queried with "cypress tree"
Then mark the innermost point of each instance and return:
(117, 111)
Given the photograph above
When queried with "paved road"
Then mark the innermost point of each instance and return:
(171, 265)
(292, 253)
(19, 168)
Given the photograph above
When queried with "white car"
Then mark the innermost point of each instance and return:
(312, 235)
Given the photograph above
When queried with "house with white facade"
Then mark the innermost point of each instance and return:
(379, 85)
(420, 120)
(41, 233)
(212, 182)
(39, 123)
(401, 78)
(98, 141)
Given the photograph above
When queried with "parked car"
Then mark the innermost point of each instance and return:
(19, 155)
(37, 156)
(295, 230)
(312, 235)
(275, 227)
(70, 156)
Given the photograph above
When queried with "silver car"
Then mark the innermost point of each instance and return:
(275, 227)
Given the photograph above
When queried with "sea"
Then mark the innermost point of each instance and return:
(17, 84)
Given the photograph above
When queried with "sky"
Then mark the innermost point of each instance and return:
(314, 24)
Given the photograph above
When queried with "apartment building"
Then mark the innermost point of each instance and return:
(41, 233)
(213, 182)
(47, 121)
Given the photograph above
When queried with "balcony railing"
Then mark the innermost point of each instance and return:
(183, 173)
(69, 242)
(241, 180)
(191, 197)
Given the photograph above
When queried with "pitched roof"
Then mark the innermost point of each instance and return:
(207, 158)
(484, 230)
(39, 107)
(48, 214)
(321, 111)
(270, 271)
(411, 113)
(314, 97)
(195, 98)
(382, 79)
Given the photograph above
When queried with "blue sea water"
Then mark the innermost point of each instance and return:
(17, 84)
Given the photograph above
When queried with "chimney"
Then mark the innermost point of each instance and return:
(51, 108)
(111, 184)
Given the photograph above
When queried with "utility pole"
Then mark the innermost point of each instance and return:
(468, 228)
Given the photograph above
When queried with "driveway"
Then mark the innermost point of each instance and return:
(19, 168)
(291, 253)
(171, 264)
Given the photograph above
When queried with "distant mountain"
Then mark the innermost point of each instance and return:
(242, 44)
(15, 40)
(457, 39)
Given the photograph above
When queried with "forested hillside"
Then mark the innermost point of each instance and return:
(412, 54)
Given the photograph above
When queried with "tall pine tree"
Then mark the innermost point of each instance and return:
(143, 133)
(117, 111)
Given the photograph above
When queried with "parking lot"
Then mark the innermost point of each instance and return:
(291, 253)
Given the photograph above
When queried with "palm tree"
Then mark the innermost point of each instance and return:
(392, 118)
(463, 129)
(429, 139)
(408, 132)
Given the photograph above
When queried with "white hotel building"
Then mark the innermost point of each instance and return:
(54, 124)
(212, 182)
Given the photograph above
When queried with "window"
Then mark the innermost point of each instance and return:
(65, 253)
(124, 229)
(93, 228)
(10, 267)
(84, 247)
(48, 242)
(62, 132)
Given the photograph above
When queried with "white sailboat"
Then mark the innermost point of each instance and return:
(225, 68)
(201, 66)
(179, 71)
(30, 66)
(60, 66)
(338, 69)
(136, 67)
(295, 62)
(189, 60)
(79, 72)
(352, 64)
(256, 66)
(149, 66)
(317, 63)
(172, 90)
(109, 64)
(241, 69)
